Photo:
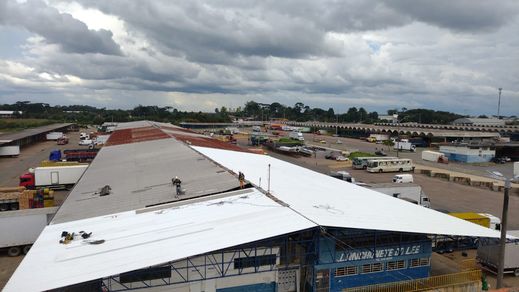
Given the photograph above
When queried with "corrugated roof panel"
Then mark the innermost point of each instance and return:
(126, 136)
(9, 137)
(208, 142)
(332, 202)
(139, 175)
(135, 241)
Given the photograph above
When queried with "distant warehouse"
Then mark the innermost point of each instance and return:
(479, 122)
(469, 153)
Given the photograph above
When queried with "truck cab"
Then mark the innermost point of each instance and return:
(27, 180)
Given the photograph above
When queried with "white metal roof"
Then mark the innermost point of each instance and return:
(135, 240)
(331, 202)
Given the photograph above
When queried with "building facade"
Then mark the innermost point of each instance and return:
(468, 153)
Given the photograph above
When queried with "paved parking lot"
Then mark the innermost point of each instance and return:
(364, 146)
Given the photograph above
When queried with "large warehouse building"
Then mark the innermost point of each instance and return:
(287, 229)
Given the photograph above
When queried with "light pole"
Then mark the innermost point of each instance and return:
(504, 223)
(499, 103)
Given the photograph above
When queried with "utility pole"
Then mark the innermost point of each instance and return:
(499, 103)
(502, 244)
(504, 224)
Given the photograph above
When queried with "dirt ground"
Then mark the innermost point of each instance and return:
(11, 169)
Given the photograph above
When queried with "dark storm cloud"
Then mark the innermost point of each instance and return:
(460, 15)
(57, 28)
(379, 54)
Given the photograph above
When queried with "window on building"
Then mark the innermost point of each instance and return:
(395, 265)
(146, 274)
(377, 267)
(346, 271)
(249, 262)
(420, 262)
(371, 268)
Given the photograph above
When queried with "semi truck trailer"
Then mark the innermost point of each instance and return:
(409, 192)
(488, 255)
(10, 151)
(53, 177)
(433, 156)
(21, 228)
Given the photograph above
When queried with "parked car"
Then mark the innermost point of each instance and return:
(499, 160)
(380, 153)
(85, 142)
(341, 158)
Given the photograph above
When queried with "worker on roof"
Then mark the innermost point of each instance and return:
(177, 183)
(241, 178)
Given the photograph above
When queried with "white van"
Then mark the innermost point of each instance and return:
(403, 178)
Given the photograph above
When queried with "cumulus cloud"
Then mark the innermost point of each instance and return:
(195, 54)
(57, 28)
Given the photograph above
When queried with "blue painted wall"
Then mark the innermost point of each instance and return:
(262, 287)
(468, 158)
(330, 258)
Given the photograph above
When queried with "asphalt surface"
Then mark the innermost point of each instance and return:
(364, 146)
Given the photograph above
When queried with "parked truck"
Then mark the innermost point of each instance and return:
(53, 177)
(296, 135)
(433, 156)
(21, 228)
(404, 146)
(10, 151)
(378, 137)
(412, 193)
(488, 255)
(54, 135)
(483, 219)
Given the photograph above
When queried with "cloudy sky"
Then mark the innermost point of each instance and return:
(198, 55)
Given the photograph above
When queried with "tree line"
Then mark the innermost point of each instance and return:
(84, 114)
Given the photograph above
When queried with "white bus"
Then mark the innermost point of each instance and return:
(397, 164)
(362, 162)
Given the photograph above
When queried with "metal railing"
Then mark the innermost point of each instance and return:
(424, 284)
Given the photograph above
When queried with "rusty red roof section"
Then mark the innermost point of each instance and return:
(208, 142)
(134, 135)
(154, 131)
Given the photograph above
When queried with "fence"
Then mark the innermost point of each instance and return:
(424, 284)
